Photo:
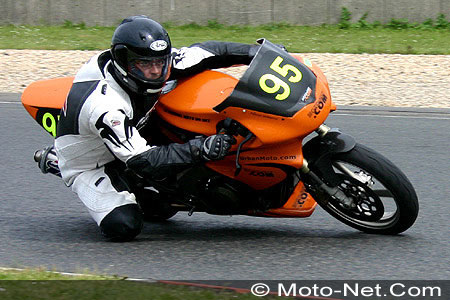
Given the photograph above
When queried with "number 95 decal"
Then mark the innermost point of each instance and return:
(277, 83)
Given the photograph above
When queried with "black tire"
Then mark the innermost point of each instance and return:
(369, 215)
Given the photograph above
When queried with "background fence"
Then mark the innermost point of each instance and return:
(251, 12)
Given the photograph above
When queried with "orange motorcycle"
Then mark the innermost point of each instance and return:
(271, 172)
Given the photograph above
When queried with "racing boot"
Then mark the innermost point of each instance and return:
(47, 161)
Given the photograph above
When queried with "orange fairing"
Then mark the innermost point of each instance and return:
(46, 94)
(299, 204)
(262, 167)
(189, 106)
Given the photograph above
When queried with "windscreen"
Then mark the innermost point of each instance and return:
(274, 83)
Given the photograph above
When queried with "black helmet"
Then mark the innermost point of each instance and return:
(139, 43)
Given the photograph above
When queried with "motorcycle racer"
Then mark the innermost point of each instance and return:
(98, 141)
(277, 174)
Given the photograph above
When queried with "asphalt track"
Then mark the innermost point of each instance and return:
(42, 223)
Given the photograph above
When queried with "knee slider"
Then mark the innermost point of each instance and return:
(122, 224)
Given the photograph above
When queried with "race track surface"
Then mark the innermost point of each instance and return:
(42, 223)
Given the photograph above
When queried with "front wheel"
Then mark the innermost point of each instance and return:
(383, 200)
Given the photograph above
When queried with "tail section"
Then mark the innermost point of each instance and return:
(44, 99)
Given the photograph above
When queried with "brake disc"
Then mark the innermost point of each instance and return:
(367, 205)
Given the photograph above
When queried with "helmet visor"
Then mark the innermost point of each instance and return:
(146, 68)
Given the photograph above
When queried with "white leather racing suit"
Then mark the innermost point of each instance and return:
(97, 125)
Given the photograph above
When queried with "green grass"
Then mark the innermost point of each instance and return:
(41, 274)
(111, 290)
(321, 39)
(55, 37)
(38, 284)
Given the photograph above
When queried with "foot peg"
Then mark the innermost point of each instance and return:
(47, 161)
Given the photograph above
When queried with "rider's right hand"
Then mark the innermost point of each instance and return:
(214, 147)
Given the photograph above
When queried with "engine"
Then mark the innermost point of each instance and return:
(206, 190)
(210, 192)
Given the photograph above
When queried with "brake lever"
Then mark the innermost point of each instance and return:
(232, 127)
(238, 152)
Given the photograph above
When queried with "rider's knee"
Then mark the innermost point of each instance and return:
(122, 224)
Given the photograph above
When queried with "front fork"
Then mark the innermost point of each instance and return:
(316, 181)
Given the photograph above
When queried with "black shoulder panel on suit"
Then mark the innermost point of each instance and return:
(68, 122)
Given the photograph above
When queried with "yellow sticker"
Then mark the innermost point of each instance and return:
(49, 123)
(278, 83)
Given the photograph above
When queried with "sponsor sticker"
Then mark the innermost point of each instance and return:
(158, 45)
(115, 123)
(306, 94)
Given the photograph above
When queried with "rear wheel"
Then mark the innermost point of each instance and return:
(382, 198)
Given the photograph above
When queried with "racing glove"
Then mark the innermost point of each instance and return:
(160, 162)
(216, 147)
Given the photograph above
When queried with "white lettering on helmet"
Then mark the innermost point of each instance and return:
(158, 45)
